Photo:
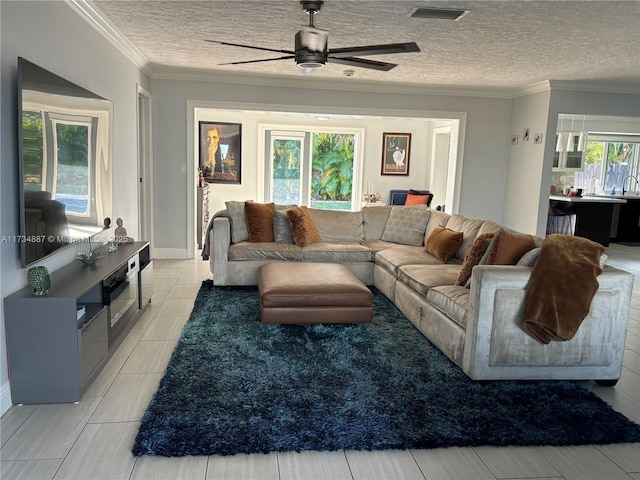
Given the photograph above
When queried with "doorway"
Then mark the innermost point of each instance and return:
(145, 167)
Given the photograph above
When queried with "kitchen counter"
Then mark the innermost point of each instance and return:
(594, 214)
(589, 199)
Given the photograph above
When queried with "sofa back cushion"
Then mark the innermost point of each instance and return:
(375, 218)
(469, 228)
(406, 225)
(338, 226)
(488, 227)
(436, 219)
(259, 219)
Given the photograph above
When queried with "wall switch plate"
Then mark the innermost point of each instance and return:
(183, 168)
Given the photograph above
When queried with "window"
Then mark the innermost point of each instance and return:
(71, 144)
(59, 156)
(610, 158)
(310, 168)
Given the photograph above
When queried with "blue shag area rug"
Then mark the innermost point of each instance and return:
(234, 385)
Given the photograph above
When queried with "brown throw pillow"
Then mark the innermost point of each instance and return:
(302, 227)
(259, 218)
(443, 243)
(472, 257)
(508, 249)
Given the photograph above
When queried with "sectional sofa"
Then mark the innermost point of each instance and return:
(477, 325)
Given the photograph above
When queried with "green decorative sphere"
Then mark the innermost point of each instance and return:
(39, 279)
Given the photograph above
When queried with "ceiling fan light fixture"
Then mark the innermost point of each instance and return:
(311, 47)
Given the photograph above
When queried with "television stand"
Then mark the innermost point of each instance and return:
(54, 347)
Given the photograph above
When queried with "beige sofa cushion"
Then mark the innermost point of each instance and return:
(423, 277)
(469, 228)
(337, 252)
(338, 226)
(451, 300)
(396, 257)
(436, 219)
(375, 218)
(264, 251)
(406, 225)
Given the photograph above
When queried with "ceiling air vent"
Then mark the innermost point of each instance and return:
(438, 13)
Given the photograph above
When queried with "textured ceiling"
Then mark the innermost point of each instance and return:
(499, 44)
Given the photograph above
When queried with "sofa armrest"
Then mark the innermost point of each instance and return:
(497, 347)
(220, 241)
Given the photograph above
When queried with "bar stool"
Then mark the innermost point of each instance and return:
(560, 221)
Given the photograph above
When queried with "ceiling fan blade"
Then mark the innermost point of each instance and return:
(257, 61)
(290, 52)
(363, 63)
(374, 50)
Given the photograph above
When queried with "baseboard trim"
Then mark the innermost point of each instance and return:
(5, 398)
(170, 253)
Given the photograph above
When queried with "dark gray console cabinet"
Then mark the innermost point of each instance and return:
(53, 353)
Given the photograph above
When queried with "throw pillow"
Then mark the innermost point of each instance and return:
(472, 257)
(443, 243)
(508, 249)
(281, 227)
(303, 229)
(529, 259)
(406, 225)
(259, 218)
(239, 232)
(416, 199)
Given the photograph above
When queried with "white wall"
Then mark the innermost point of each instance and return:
(485, 137)
(51, 35)
(524, 174)
(252, 149)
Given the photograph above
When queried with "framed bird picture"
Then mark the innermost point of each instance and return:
(395, 153)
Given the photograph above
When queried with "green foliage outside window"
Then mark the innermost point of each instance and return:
(33, 149)
(332, 170)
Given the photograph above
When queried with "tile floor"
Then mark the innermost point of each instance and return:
(92, 440)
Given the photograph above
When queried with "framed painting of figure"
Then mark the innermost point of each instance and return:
(220, 152)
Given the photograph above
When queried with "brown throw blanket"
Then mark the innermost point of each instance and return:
(562, 286)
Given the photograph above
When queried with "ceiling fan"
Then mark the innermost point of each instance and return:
(311, 48)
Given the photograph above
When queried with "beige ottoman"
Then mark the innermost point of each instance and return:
(298, 292)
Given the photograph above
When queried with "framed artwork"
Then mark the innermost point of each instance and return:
(220, 151)
(395, 153)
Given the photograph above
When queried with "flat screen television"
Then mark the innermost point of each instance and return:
(65, 158)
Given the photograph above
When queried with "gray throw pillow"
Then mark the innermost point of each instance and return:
(406, 225)
(281, 227)
(239, 232)
(529, 259)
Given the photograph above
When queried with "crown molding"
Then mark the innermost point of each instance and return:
(321, 83)
(94, 17)
(601, 87)
(543, 86)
